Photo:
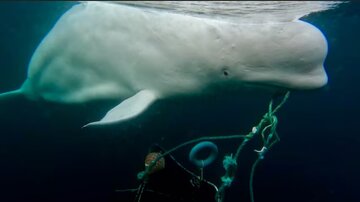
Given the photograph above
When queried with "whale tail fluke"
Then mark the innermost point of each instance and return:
(11, 95)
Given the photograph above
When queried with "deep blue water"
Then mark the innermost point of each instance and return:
(46, 156)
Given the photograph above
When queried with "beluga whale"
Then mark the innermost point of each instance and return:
(103, 51)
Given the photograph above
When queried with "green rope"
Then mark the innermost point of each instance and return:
(251, 179)
(142, 175)
(267, 130)
(269, 141)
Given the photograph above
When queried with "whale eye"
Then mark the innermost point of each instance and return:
(225, 71)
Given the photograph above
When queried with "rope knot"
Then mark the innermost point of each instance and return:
(230, 166)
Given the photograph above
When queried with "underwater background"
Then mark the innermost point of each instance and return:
(46, 156)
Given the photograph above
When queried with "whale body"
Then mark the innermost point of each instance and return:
(99, 50)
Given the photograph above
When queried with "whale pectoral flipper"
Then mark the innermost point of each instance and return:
(128, 108)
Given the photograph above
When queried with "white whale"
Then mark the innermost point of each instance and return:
(100, 50)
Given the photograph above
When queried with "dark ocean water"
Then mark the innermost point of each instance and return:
(46, 156)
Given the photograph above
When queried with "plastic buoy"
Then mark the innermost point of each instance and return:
(194, 154)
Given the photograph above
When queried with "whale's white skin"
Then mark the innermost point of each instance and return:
(101, 50)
